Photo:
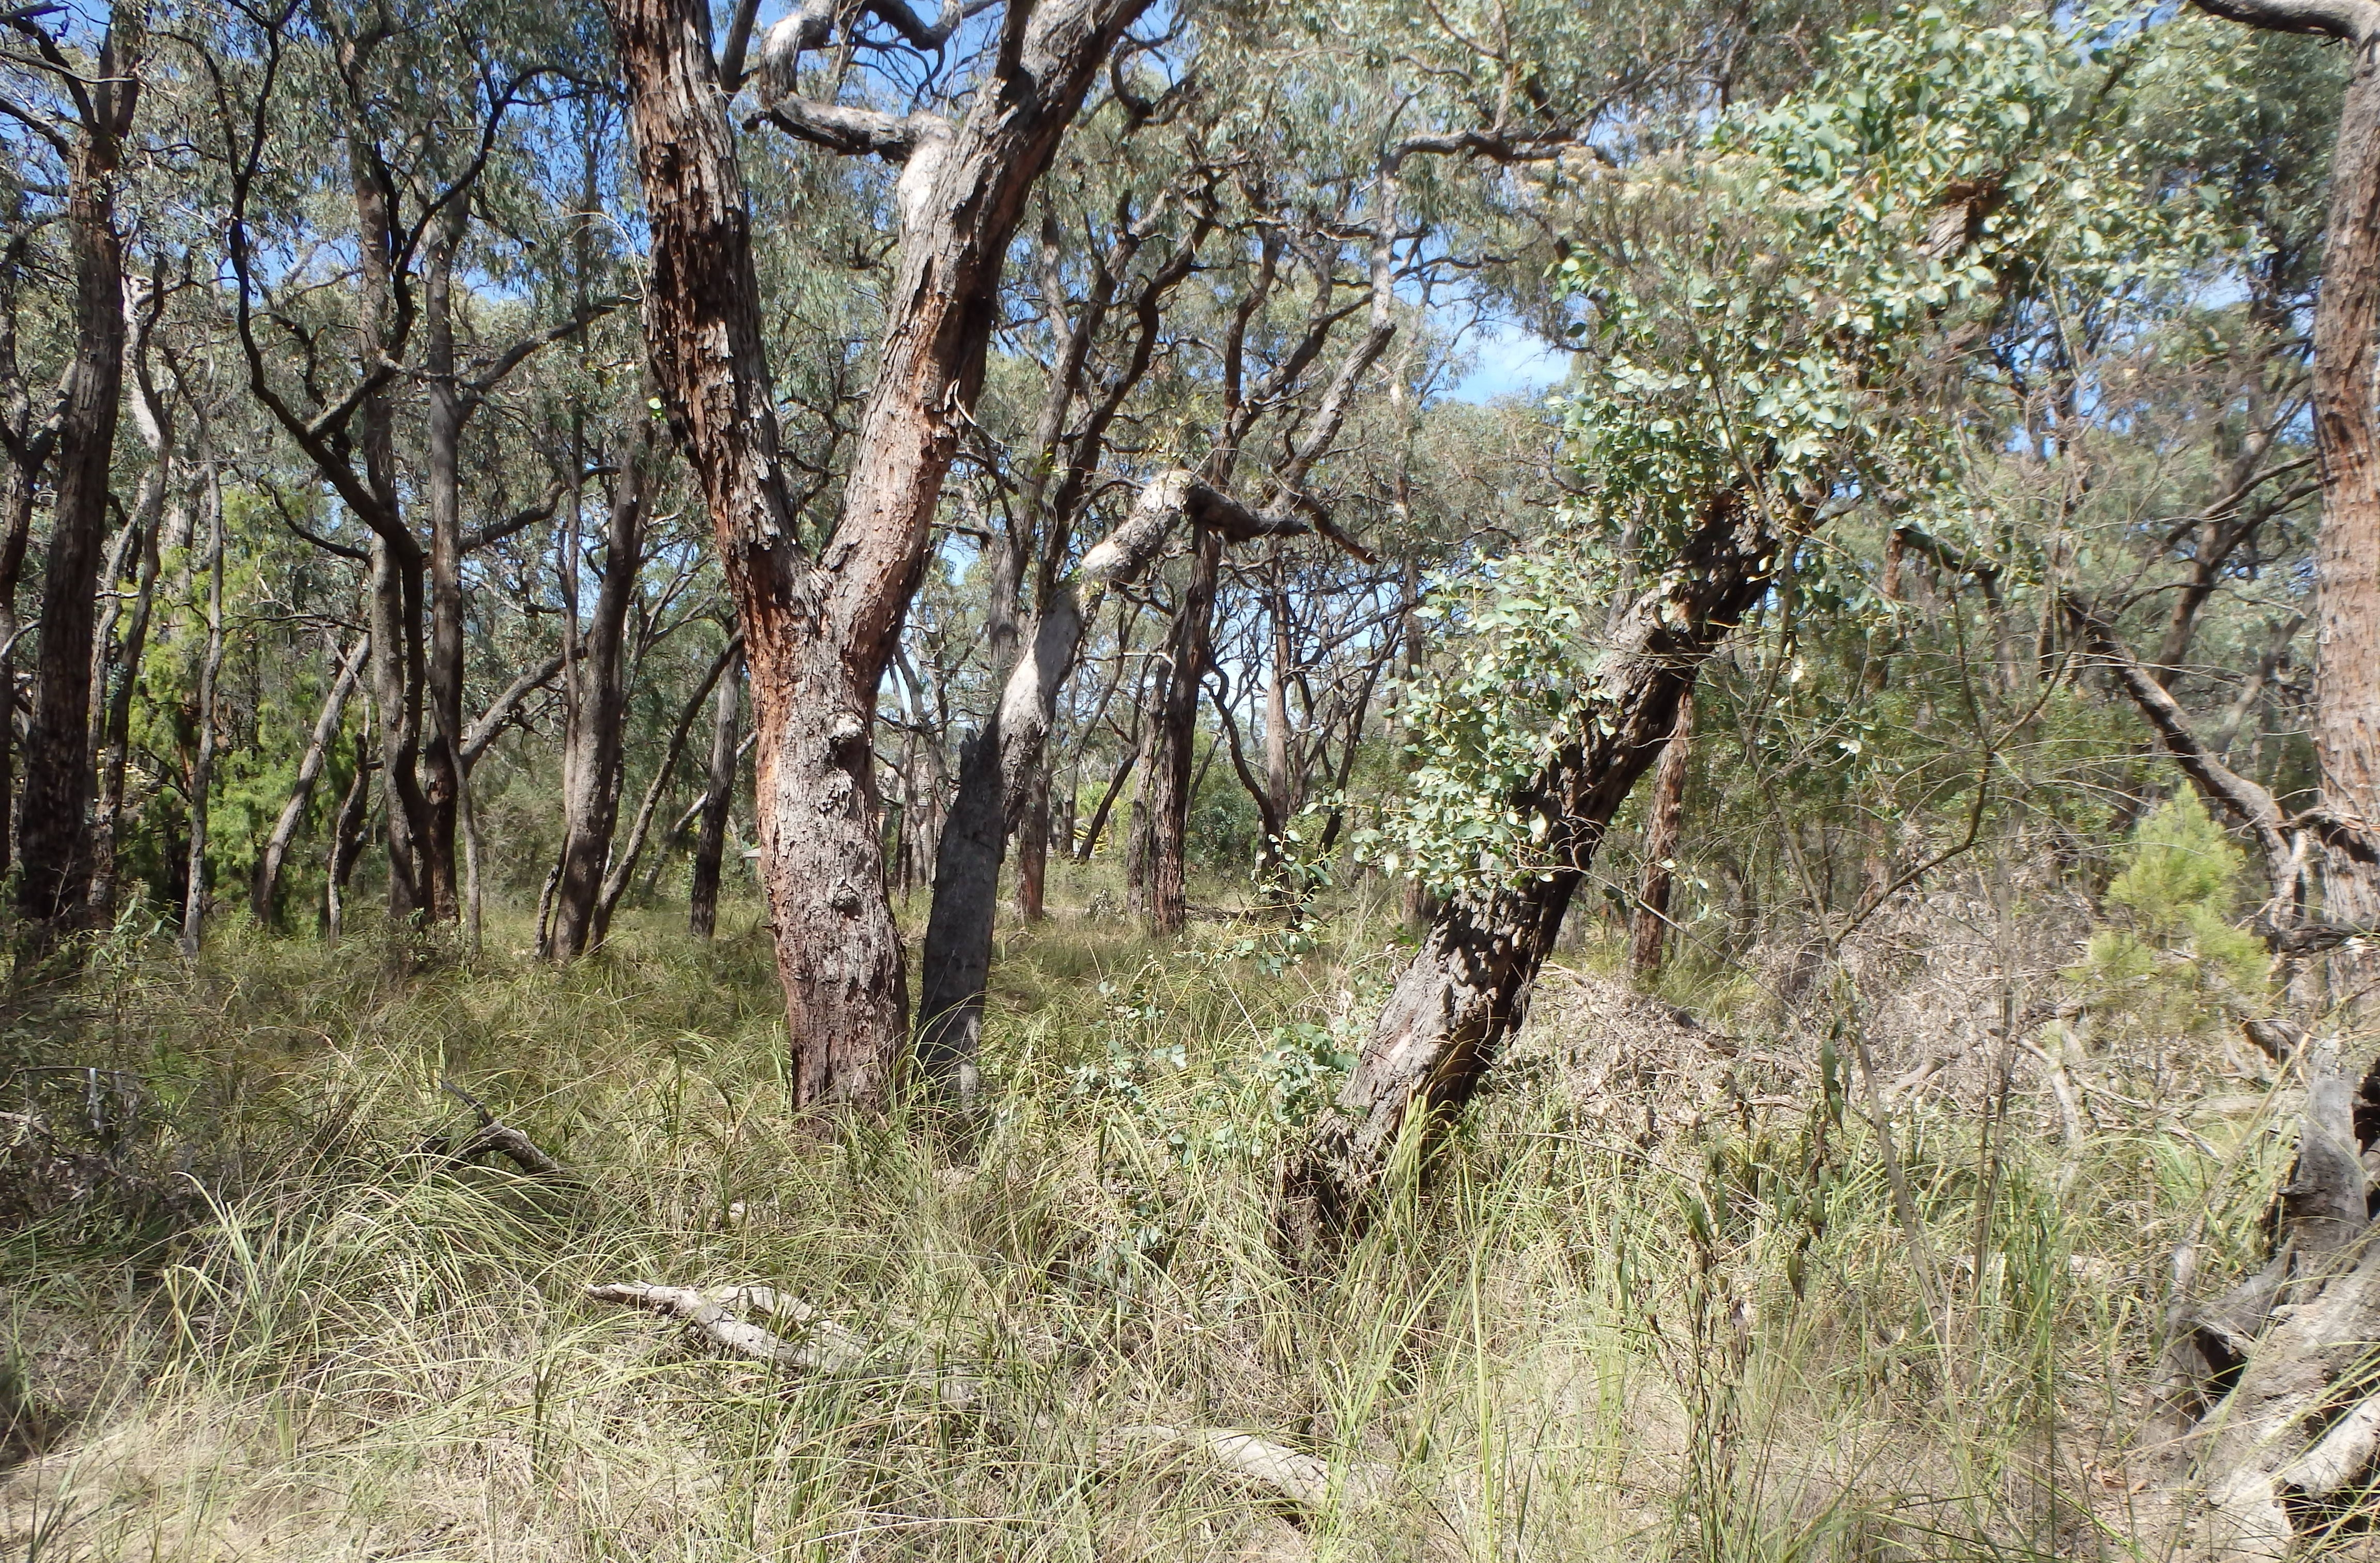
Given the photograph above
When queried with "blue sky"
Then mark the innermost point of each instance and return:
(1513, 361)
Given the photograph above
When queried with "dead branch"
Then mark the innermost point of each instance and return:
(493, 1134)
(823, 1346)
(1304, 1479)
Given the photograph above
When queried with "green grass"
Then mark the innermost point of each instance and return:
(1654, 1302)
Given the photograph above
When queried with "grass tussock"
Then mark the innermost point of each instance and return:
(1657, 1300)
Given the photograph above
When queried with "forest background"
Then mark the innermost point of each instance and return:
(1091, 779)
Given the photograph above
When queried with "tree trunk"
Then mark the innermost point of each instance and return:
(997, 772)
(2346, 553)
(112, 727)
(346, 842)
(441, 764)
(718, 796)
(1663, 811)
(1166, 787)
(27, 453)
(624, 864)
(53, 840)
(397, 701)
(202, 765)
(821, 630)
(595, 711)
(1033, 845)
(265, 889)
(1467, 989)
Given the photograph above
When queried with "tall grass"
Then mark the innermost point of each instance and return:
(1655, 1300)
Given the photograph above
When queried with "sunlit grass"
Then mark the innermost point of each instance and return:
(1655, 1301)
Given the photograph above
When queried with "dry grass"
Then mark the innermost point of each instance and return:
(1655, 1303)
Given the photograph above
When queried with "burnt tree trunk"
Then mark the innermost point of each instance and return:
(202, 762)
(1663, 812)
(822, 625)
(718, 797)
(1173, 736)
(595, 708)
(53, 840)
(1467, 989)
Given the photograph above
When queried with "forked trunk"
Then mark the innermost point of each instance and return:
(397, 702)
(595, 713)
(1166, 787)
(1467, 989)
(718, 797)
(999, 768)
(822, 628)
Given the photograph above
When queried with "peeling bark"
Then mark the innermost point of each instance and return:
(822, 625)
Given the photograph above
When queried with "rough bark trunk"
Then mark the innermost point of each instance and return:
(1173, 735)
(27, 451)
(53, 839)
(346, 841)
(264, 890)
(2346, 553)
(112, 726)
(1467, 988)
(1663, 812)
(203, 763)
(1033, 845)
(997, 773)
(718, 796)
(594, 712)
(395, 656)
(442, 770)
(821, 630)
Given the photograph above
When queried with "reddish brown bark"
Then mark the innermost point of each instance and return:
(822, 625)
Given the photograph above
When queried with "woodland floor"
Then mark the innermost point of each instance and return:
(1655, 1302)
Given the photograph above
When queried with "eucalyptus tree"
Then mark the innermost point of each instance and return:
(418, 110)
(820, 613)
(1766, 316)
(76, 97)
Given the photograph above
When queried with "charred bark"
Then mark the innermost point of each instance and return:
(595, 706)
(53, 834)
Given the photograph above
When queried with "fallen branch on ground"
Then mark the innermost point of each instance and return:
(493, 1134)
(823, 1346)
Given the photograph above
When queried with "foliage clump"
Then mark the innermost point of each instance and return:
(2173, 963)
